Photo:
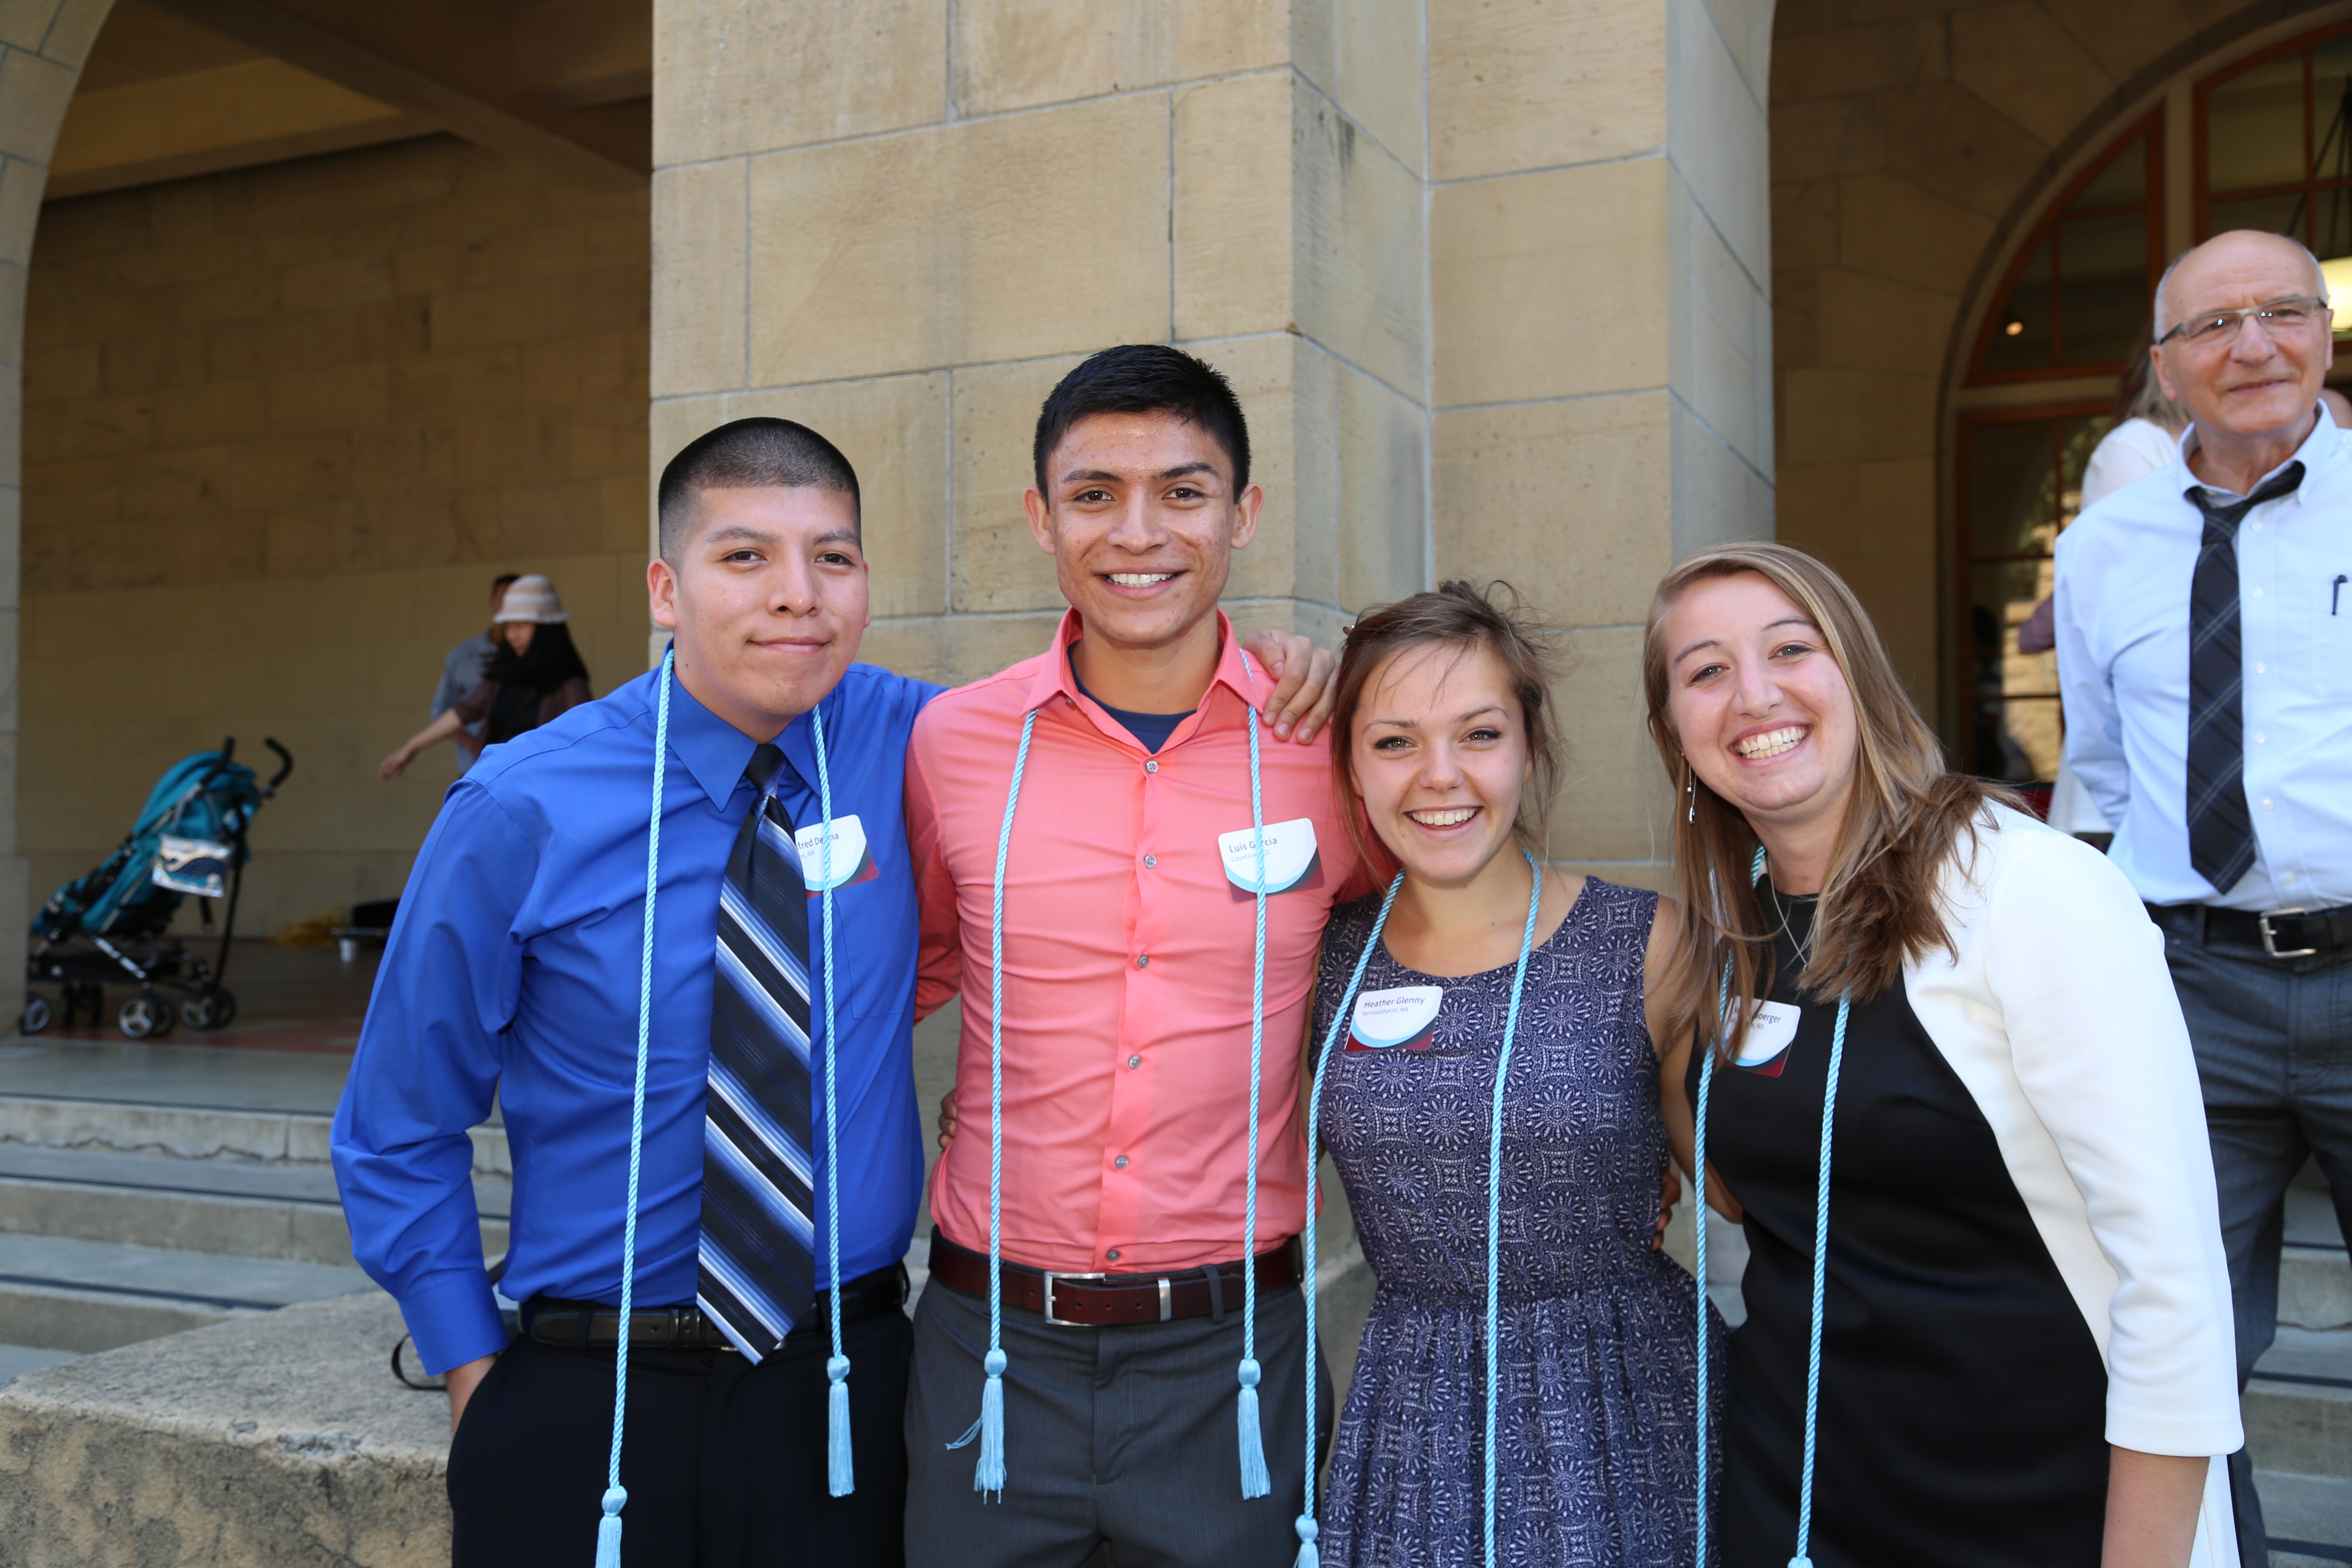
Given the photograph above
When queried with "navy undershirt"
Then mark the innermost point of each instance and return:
(1151, 729)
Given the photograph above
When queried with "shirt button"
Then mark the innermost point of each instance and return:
(1152, 764)
(1143, 960)
(1149, 861)
(1120, 1162)
(2258, 737)
(2258, 593)
(2261, 668)
(2266, 806)
(1112, 1255)
(2288, 878)
(1137, 1061)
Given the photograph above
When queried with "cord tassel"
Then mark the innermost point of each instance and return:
(1308, 1557)
(840, 1474)
(989, 1475)
(608, 1529)
(1254, 1481)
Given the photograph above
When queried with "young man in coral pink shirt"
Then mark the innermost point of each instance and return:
(1122, 1212)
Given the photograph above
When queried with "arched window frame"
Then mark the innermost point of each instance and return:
(2149, 128)
(2200, 167)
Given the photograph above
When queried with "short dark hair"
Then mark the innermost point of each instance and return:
(1146, 378)
(503, 581)
(744, 455)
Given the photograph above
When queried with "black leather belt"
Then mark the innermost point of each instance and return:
(1112, 1301)
(2279, 933)
(593, 1325)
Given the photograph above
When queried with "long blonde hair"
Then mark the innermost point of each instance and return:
(1905, 817)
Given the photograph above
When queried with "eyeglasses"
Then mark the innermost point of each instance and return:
(2214, 328)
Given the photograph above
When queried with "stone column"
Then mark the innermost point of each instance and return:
(1490, 286)
(1599, 251)
(42, 46)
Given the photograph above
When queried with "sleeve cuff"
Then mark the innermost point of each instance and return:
(454, 1320)
(2191, 1434)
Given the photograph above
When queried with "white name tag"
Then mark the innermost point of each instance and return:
(1289, 856)
(1768, 1034)
(850, 861)
(1384, 1020)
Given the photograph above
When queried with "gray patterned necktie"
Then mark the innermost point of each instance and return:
(2220, 827)
(758, 1257)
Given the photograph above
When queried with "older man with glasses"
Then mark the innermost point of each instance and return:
(2205, 657)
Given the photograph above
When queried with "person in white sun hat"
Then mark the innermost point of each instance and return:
(535, 675)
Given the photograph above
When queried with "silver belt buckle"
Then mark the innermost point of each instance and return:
(2269, 940)
(1050, 1279)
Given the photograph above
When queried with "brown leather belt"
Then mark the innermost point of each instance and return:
(590, 1325)
(1114, 1301)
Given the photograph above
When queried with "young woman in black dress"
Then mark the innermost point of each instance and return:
(2022, 1311)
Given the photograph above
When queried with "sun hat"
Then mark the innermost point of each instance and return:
(531, 597)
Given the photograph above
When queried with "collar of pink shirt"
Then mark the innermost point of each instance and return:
(1126, 966)
(1054, 675)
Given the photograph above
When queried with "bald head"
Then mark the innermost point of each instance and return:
(2251, 390)
(2241, 256)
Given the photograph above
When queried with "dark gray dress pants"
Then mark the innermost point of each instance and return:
(2274, 1043)
(1126, 1436)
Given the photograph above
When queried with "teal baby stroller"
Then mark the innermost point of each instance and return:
(109, 925)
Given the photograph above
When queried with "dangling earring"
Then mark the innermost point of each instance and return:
(1691, 789)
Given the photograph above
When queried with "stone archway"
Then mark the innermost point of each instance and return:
(42, 47)
(1909, 155)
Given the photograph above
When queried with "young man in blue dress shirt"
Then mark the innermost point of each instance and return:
(513, 971)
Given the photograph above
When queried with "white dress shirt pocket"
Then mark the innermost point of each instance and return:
(2329, 616)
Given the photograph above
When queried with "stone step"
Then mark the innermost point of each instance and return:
(17, 1360)
(2309, 1519)
(253, 1137)
(62, 1293)
(2298, 1406)
(283, 1211)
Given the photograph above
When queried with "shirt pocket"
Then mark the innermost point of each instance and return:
(2330, 619)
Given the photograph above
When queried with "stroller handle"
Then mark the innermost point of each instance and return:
(285, 764)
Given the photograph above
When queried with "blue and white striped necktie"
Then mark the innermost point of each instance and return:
(758, 1274)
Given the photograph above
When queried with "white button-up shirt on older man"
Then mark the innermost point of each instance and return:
(2124, 571)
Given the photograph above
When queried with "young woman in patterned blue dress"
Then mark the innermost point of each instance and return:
(1444, 730)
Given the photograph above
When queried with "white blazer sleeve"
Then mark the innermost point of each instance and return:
(2077, 972)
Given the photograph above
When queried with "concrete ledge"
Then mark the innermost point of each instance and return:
(275, 1439)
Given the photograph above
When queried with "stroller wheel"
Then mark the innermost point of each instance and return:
(208, 1010)
(37, 1015)
(224, 1007)
(145, 1015)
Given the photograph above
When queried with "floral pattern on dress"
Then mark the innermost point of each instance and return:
(1597, 1449)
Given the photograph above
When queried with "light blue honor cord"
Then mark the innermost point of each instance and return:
(840, 1475)
(988, 1476)
(617, 1496)
(1256, 1482)
(1803, 1558)
(1309, 1554)
(989, 1473)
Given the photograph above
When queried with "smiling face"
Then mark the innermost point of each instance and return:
(1439, 752)
(2259, 380)
(1760, 708)
(1141, 520)
(768, 599)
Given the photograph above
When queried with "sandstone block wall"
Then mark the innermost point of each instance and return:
(281, 428)
(1488, 274)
